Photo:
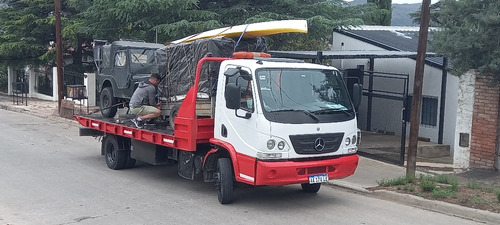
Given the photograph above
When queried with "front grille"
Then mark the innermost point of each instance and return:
(308, 143)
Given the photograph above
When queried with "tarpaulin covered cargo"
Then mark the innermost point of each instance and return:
(180, 61)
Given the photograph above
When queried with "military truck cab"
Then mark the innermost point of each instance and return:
(121, 65)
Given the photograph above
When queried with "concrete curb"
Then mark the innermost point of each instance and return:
(477, 215)
(348, 185)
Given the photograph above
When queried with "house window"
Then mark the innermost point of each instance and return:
(428, 113)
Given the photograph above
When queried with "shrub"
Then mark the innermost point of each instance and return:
(443, 193)
(427, 185)
(473, 185)
(394, 182)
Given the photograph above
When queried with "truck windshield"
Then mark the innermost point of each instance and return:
(317, 94)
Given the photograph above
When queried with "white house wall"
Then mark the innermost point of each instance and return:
(386, 114)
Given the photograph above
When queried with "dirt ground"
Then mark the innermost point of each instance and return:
(477, 198)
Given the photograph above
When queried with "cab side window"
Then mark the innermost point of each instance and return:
(246, 92)
(120, 59)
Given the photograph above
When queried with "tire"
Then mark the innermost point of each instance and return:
(224, 181)
(311, 188)
(173, 114)
(130, 161)
(106, 101)
(116, 158)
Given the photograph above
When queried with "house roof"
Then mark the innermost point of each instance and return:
(345, 54)
(394, 38)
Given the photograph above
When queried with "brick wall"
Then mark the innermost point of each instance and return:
(484, 124)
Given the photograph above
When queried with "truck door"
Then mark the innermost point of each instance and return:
(239, 126)
(121, 69)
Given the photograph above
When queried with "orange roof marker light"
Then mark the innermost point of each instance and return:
(250, 55)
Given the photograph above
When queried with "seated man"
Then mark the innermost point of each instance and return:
(143, 101)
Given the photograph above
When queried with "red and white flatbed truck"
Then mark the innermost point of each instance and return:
(274, 122)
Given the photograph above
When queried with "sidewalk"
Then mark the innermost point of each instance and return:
(368, 173)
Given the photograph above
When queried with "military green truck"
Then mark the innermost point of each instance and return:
(121, 65)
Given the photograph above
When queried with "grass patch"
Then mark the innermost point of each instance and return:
(477, 200)
(427, 185)
(395, 182)
(473, 185)
(410, 187)
(443, 193)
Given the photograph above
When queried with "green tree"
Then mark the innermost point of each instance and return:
(28, 29)
(322, 17)
(28, 25)
(382, 17)
(173, 19)
(140, 19)
(470, 35)
(434, 12)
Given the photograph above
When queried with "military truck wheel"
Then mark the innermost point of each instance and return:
(311, 188)
(224, 181)
(107, 101)
(173, 114)
(116, 158)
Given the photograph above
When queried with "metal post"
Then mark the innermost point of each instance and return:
(370, 97)
(417, 89)
(60, 79)
(442, 106)
(319, 55)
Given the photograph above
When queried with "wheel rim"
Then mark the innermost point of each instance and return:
(111, 153)
(106, 101)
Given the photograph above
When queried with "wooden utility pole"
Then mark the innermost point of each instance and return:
(417, 89)
(60, 77)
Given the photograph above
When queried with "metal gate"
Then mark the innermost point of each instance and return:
(382, 113)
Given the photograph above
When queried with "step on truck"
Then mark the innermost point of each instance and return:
(275, 122)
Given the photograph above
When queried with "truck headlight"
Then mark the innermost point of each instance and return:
(281, 145)
(347, 141)
(270, 144)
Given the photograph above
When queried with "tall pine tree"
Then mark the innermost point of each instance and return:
(470, 35)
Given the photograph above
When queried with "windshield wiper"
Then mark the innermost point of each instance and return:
(300, 110)
(326, 111)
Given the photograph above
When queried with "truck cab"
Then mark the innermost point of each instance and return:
(121, 65)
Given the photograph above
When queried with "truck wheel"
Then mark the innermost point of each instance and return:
(116, 159)
(173, 114)
(106, 101)
(224, 181)
(311, 188)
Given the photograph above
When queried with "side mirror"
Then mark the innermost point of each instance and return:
(232, 96)
(357, 92)
(231, 72)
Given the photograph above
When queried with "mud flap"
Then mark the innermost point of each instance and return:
(186, 167)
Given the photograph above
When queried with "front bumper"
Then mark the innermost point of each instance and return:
(291, 172)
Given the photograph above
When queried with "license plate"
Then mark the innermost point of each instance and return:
(319, 178)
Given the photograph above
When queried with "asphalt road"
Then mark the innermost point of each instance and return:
(50, 175)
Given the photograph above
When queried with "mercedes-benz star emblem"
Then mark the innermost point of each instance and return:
(319, 144)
